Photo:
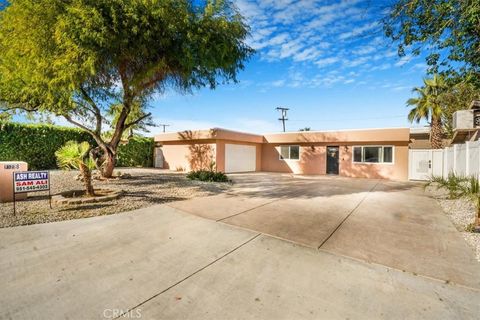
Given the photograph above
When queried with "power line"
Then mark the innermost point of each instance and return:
(284, 118)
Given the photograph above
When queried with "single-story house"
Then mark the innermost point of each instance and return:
(366, 153)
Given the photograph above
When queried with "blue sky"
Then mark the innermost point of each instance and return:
(327, 61)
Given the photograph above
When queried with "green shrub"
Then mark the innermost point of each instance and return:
(36, 143)
(138, 152)
(455, 185)
(209, 176)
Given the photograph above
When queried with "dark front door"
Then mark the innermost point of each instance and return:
(332, 160)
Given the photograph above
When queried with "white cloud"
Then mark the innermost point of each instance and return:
(326, 61)
(355, 62)
(383, 66)
(401, 88)
(419, 66)
(357, 31)
(319, 35)
(278, 83)
(403, 60)
(307, 54)
(364, 50)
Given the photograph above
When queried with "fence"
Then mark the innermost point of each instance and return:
(461, 159)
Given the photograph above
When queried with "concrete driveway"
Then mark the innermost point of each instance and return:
(355, 249)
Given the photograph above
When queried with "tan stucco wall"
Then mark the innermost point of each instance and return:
(176, 156)
(396, 171)
(6, 180)
(312, 150)
(312, 160)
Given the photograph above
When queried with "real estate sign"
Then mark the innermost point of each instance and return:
(31, 181)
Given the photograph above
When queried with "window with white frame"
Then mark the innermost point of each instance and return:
(289, 152)
(373, 154)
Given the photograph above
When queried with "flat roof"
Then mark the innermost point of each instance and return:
(352, 136)
(209, 134)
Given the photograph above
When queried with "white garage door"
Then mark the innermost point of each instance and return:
(240, 158)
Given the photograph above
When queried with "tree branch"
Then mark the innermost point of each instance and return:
(95, 136)
(127, 99)
(95, 111)
(151, 82)
(128, 125)
(19, 106)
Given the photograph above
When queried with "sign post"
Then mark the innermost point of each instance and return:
(31, 181)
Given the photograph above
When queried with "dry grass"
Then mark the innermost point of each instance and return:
(145, 188)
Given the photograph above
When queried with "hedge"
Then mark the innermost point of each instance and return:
(138, 152)
(36, 144)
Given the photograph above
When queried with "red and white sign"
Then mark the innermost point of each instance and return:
(31, 181)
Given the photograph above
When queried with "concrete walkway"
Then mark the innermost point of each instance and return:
(388, 254)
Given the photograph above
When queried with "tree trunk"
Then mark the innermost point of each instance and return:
(108, 165)
(436, 134)
(104, 160)
(87, 180)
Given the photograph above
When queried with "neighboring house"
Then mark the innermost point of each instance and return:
(420, 138)
(368, 153)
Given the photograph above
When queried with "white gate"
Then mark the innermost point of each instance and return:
(424, 163)
(461, 159)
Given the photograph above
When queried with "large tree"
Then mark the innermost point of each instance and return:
(97, 63)
(446, 31)
(428, 105)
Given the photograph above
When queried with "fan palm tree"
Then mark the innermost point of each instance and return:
(74, 155)
(427, 106)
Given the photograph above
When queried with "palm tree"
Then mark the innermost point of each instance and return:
(427, 106)
(74, 155)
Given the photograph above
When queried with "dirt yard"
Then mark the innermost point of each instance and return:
(146, 187)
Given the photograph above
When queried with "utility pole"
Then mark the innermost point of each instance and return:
(283, 112)
(164, 126)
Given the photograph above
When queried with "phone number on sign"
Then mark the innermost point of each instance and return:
(31, 188)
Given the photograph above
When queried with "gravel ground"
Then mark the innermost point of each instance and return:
(146, 187)
(461, 212)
